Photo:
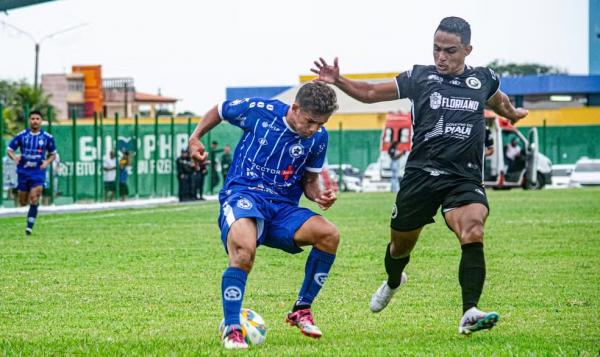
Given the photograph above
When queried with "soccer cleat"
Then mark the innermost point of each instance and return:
(28, 231)
(304, 320)
(233, 338)
(384, 294)
(475, 320)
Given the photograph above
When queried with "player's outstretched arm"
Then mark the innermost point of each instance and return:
(362, 91)
(312, 191)
(500, 104)
(208, 121)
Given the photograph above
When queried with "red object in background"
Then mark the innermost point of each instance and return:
(398, 127)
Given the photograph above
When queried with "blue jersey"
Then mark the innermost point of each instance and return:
(34, 148)
(271, 158)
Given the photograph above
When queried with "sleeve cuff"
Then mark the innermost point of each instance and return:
(314, 169)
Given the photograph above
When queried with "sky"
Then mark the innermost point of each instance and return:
(194, 50)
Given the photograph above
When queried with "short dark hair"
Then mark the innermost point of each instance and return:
(457, 26)
(33, 112)
(317, 98)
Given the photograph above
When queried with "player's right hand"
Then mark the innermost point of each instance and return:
(327, 73)
(196, 149)
(17, 159)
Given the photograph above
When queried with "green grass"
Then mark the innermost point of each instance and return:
(147, 282)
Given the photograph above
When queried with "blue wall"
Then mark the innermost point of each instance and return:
(594, 37)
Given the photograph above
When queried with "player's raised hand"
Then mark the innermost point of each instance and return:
(326, 199)
(196, 149)
(327, 73)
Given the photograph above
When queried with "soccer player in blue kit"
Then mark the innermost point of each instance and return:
(279, 157)
(38, 150)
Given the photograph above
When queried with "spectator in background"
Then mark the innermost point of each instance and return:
(513, 152)
(124, 165)
(200, 171)
(489, 142)
(225, 162)
(185, 170)
(10, 180)
(50, 191)
(395, 155)
(109, 166)
(214, 165)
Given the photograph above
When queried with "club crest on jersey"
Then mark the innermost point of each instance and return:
(244, 203)
(473, 82)
(435, 100)
(41, 142)
(296, 150)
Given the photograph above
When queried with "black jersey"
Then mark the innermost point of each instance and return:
(448, 121)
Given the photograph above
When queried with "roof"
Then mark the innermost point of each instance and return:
(15, 4)
(550, 84)
(260, 92)
(152, 98)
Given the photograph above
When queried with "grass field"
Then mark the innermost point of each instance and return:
(148, 282)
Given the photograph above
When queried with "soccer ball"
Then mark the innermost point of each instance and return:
(253, 327)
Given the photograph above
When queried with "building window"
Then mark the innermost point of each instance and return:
(78, 108)
(75, 86)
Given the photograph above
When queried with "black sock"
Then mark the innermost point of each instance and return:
(300, 307)
(394, 268)
(471, 274)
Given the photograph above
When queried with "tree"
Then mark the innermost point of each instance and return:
(17, 97)
(522, 69)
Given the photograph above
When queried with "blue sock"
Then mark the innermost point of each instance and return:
(233, 285)
(316, 272)
(31, 215)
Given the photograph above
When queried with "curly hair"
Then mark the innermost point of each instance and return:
(317, 98)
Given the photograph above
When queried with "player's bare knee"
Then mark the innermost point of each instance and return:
(329, 239)
(472, 233)
(242, 258)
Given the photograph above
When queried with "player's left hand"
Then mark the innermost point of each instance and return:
(326, 199)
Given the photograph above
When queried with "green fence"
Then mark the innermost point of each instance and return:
(155, 145)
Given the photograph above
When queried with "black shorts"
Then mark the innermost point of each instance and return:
(109, 186)
(421, 194)
(123, 189)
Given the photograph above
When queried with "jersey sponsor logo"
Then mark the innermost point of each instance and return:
(287, 172)
(260, 104)
(320, 278)
(435, 100)
(458, 130)
(437, 130)
(296, 151)
(266, 124)
(479, 192)
(473, 82)
(472, 165)
(238, 102)
(455, 82)
(244, 203)
(263, 141)
(232, 293)
(434, 78)
(270, 107)
(494, 76)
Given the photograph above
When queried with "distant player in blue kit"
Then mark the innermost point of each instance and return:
(38, 150)
(278, 158)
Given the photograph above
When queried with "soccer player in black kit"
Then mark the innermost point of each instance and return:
(445, 165)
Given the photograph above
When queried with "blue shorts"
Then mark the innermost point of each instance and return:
(277, 222)
(27, 182)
